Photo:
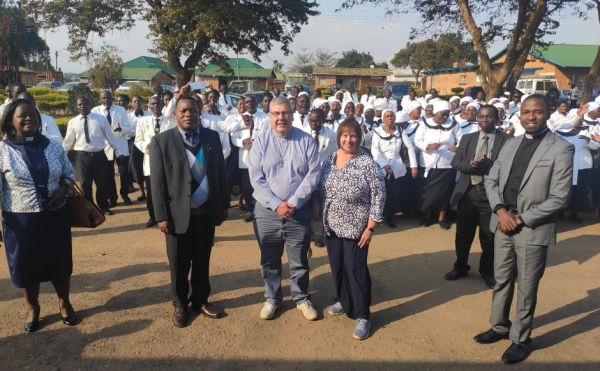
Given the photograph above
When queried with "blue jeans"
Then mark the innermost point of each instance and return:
(273, 234)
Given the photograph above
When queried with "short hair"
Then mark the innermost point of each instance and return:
(349, 124)
(168, 92)
(106, 91)
(182, 98)
(491, 108)
(125, 97)
(541, 97)
(319, 112)
(6, 125)
(279, 101)
(138, 97)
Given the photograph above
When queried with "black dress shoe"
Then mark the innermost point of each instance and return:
(127, 201)
(209, 310)
(490, 281)
(390, 222)
(425, 222)
(112, 203)
(32, 326)
(179, 317)
(319, 243)
(70, 320)
(515, 353)
(108, 212)
(249, 216)
(150, 223)
(141, 198)
(490, 336)
(454, 275)
(444, 224)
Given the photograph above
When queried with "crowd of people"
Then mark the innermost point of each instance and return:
(307, 169)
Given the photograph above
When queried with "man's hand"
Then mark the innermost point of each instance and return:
(184, 91)
(453, 149)
(414, 172)
(364, 127)
(387, 169)
(596, 137)
(284, 211)
(165, 227)
(506, 221)
(433, 146)
(247, 143)
(247, 119)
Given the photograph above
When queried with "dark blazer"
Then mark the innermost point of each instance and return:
(465, 154)
(171, 180)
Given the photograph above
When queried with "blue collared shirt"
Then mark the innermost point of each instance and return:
(191, 139)
(283, 168)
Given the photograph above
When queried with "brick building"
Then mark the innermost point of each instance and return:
(240, 69)
(567, 63)
(360, 78)
(150, 71)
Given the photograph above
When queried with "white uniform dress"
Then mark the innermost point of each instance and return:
(50, 129)
(559, 122)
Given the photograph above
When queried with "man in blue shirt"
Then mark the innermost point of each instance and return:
(284, 171)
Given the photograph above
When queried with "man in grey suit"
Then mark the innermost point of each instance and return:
(187, 173)
(527, 186)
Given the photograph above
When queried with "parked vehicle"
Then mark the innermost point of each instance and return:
(125, 86)
(72, 85)
(49, 84)
(242, 86)
(398, 89)
(536, 85)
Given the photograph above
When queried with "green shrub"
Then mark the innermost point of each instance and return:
(62, 123)
(78, 91)
(419, 91)
(457, 90)
(36, 92)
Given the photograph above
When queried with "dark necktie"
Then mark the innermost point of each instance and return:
(108, 116)
(478, 179)
(157, 126)
(302, 120)
(316, 137)
(86, 129)
(251, 126)
(139, 113)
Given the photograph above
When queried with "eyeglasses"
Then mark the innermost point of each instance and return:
(282, 113)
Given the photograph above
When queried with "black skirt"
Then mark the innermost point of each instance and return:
(38, 246)
(437, 190)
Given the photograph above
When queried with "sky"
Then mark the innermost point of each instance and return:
(366, 29)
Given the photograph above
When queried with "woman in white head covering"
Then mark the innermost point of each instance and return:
(386, 146)
(437, 139)
(503, 124)
(368, 125)
(335, 116)
(325, 107)
(454, 105)
(469, 125)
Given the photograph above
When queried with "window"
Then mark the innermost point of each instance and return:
(462, 80)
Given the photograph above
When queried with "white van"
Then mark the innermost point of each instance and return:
(536, 85)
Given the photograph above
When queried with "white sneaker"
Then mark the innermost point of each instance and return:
(309, 312)
(268, 310)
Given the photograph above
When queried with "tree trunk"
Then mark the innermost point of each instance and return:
(511, 83)
(590, 79)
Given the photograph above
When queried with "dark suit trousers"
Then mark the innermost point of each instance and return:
(91, 167)
(392, 191)
(191, 251)
(149, 204)
(247, 189)
(123, 167)
(474, 211)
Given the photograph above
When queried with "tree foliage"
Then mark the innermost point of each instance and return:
(107, 68)
(186, 33)
(519, 23)
(20, 44)
(355, 59)
(303, 62)
(325, 58)
(434, 54)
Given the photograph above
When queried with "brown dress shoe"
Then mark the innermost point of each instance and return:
(209, 310)
(179, 317)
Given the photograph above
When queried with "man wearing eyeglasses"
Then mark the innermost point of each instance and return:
(283, 165)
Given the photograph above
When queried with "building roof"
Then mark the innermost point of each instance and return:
(561, 55)
(135, 73)
(149, 62)
(342, 71)
(239, 66)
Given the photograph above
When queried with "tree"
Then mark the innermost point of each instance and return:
(325, 58)
(520, 22)
(355, 59)
(434, 54)
(588, 83)
(107, 68)
(303, 62)
(20, 44)
(186, 33)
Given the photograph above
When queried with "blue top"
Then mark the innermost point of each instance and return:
(283, 168)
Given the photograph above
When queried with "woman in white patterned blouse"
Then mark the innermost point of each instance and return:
(352, 194)
(34, 176)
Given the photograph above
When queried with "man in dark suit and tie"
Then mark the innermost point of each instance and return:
(474, 158)
(187, 173)
(529, 183)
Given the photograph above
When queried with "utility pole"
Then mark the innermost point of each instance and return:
(56, 60)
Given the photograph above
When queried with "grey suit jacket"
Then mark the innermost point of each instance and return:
(171, 180)
(545, 188)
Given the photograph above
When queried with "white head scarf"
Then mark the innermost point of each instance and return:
(507, 93)
(493, 101)
(302, 93)
(591, 106)
(368, 106)
(524, 96)
(402, 117)
(468, 99)
(597, 100)
(380, 104)
(428, 97)
(453, 98)
(474, 105)
(500, 106)
(411, 106)
(503, 99)
(441, 105)
(388, 110)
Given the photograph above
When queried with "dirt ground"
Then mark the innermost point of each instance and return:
(420, 321)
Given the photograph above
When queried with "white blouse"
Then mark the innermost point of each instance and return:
(387, 152)
(430, 133)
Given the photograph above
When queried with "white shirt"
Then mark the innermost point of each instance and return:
(583, 143)
(144, 133)
(261, 121)
(225, 103)
(513, 107)
(119, 118)
(327, 142)
(368, 136)
(387, 152)
(50, 129)
(133, 120)
(334, 124)
(515, 120)
(300, 122)
(465, 127)
(168, 112)
(405, 101)
(99, 131)
(353, 97)
(442, 157)
(391, 103)
(368, 99)
(223, 128)
(557, 121)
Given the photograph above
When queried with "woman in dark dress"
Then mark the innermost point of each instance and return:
(35, 172)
